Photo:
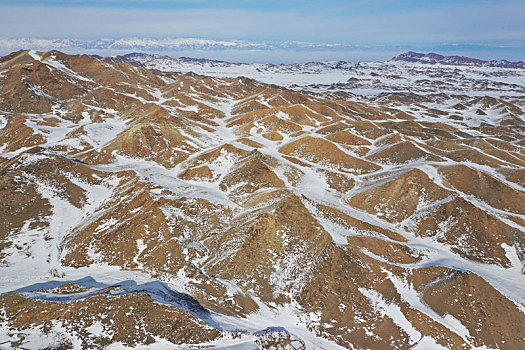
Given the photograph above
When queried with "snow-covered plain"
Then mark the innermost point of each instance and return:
(363, 78)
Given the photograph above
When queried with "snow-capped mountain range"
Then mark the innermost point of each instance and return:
(170, 44)
(111, 46)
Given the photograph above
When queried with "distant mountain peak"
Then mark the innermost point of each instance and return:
(434, 58)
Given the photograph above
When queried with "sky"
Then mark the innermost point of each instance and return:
(484, 29)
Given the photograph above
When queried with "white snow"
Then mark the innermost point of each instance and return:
(33, 54)
(3, 121)
(394, 312)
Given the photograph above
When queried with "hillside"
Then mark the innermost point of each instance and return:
(155, 208)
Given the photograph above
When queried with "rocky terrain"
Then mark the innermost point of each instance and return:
(319, 206)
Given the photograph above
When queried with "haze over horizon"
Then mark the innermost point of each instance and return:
(360, 30)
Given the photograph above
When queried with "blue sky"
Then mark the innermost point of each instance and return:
(370, 23)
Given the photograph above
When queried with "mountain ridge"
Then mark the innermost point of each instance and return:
(146, 208)
(409, 56)
(434, 58)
